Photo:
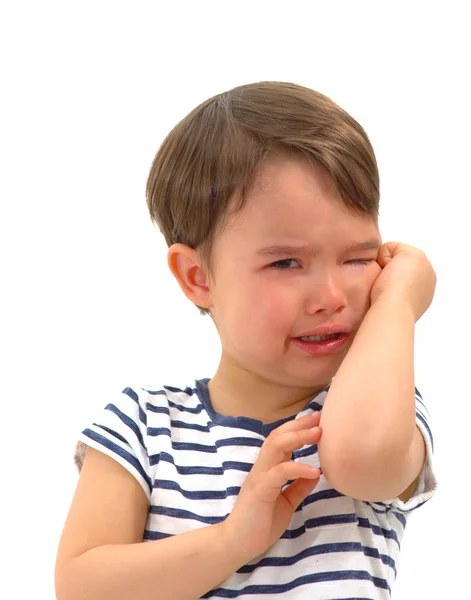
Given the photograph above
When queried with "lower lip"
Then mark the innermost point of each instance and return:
(324, 347)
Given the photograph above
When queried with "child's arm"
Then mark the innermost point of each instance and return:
(371, 448)
(101, 554)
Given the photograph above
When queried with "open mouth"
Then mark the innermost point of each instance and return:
(318, 345)
(322, 338)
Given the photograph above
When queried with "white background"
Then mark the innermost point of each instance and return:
(88, 306)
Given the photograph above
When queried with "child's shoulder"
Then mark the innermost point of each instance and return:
(131, 412)
(166, 404)
(179, 395)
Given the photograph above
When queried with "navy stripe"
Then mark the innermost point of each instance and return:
(331, 520)
(234, 465)
(239, 441)
(165, 484)
(155, 392)
(315, 496)
(322, 495)
(421, 405)
(188, 390)
(185, 470)
(199, 469)
(420, 410)
(309, 451)
(111, 432)
(320, 522)
(381, 511)
(315, 406)
(155, 431)
(132, 394)
(157, 409)
(305, 580)
(384, 558)
(184, 514)
(195, 410)
(194, 426)
(194, 447)
(164, 409)
(422, 420)
(394, 510)
(316, 551)
(385, 510)
(420, 414)
(291, 534)
(156, 535)
(404, 511)
(127, 421)
(400, 517)
(192, 470)
(389, 534)
(132, 460)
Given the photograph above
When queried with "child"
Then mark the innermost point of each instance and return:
(292, 471)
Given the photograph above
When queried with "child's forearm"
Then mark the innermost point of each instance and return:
(368, 419)
(181, 567)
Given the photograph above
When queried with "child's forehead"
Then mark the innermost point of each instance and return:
(294, 233)
(291, 186)
(294, 200)
(278, 173)
(296, 212)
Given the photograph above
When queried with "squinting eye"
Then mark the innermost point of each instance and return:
(361, 261)
(276, 264)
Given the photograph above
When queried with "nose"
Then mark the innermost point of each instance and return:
(326, 294)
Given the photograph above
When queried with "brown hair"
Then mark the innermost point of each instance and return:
(213, 155)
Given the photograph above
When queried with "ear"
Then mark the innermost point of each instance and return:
(185, 264)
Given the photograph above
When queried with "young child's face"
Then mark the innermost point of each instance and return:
(259, 309)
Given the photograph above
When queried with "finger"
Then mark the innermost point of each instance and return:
(384, 255)
(389, 250)
(269, 486)
(299, 490)
(305, 422)
(278, 449)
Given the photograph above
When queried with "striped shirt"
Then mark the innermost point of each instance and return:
(191, 463)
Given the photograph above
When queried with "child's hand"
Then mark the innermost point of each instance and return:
(262, 511)
(407, 274)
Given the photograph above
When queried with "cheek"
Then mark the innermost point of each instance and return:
(263, 305)
(274, 297)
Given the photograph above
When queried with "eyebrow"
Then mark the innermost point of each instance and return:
(284, 249)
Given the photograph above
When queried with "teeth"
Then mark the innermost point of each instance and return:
(319, 338)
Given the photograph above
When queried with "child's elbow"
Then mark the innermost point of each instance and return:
(61, 582)
(68, 580)
(369, 476)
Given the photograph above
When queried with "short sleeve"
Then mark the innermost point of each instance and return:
(427, 482)
(120, 431)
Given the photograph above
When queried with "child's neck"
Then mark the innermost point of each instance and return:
(237, 392)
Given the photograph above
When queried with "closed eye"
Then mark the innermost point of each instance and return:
(361, 261)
